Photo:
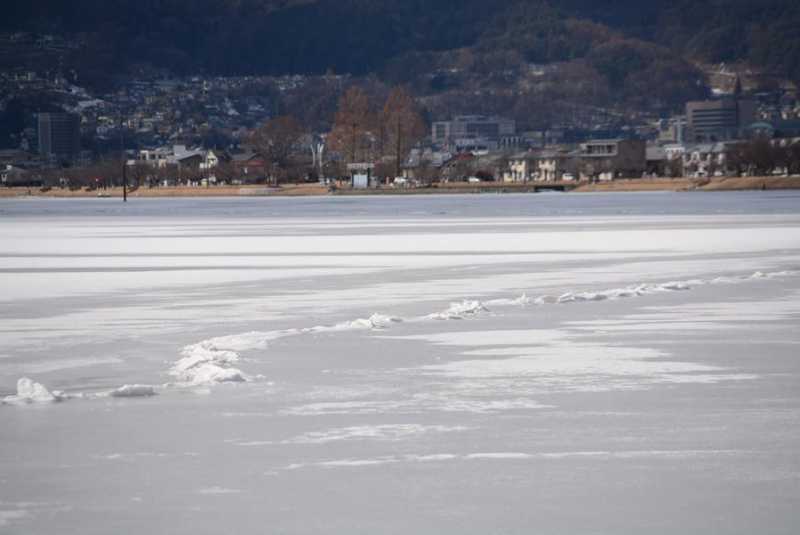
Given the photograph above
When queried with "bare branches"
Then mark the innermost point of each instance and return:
(403, 125)
(277, 141)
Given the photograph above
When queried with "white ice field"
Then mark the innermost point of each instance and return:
(619, 363)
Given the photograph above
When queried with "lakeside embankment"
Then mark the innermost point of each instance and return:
(694, 184)
(294, 190)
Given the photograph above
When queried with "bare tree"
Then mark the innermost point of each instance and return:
(756, 157)
(403, 125)
(674, 168)
(276, 141)
(794, 158)
(761, 156)
(139, 172)
(226, 172)
(104, 173)
(782, 157)
(427, 173)
(735, 159)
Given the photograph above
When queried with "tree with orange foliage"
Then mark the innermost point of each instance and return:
(403, 125)
(353, 132)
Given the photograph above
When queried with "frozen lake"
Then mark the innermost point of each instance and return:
(618, 363)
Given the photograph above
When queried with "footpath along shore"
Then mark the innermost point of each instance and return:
(294, 190)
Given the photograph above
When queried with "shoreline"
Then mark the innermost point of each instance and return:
(305, 190)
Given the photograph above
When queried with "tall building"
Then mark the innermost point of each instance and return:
(59, 136)
(719, 120)
(470, 130)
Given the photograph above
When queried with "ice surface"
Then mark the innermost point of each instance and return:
(417, 404)
(564, 363)
(381, 432)
(521, 456)
(7, 517)
(217, 491)
(489, 363)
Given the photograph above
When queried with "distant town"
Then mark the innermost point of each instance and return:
(161, 131)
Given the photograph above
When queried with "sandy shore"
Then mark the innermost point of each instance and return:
(292, 190)
(693, 184)
(746, 183)
(182, 191)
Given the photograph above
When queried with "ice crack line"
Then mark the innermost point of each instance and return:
(214, 360)
(211, 361)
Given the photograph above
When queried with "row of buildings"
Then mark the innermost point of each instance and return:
(152, 111)
(597, 160)
(464, 147)
(692, 144)
(178, 164)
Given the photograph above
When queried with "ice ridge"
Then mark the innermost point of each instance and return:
(458, 311)
(29, 391)
(214, 360)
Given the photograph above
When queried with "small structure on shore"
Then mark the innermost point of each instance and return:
(361, 175)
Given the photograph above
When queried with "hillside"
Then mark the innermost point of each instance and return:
(359, 36)
(598, 62)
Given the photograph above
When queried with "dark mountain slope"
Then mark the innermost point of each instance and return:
(359, 36)
(597, 53)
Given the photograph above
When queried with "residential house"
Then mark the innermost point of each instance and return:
(554, 165)
(425, 165)
(520, 168)
(14, 176)
(180, 163)
(176, 155)
(606, 159)
(656, 160)
(704, 159)
(674, 151)
(549, 165)
(249, 166)
(458, 168)
(213, 158)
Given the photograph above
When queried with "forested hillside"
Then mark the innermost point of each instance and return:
(598, 53)
(306, 36)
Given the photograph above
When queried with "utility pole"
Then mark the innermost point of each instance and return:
(124, 162)
(399, 148)
(354, 141)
